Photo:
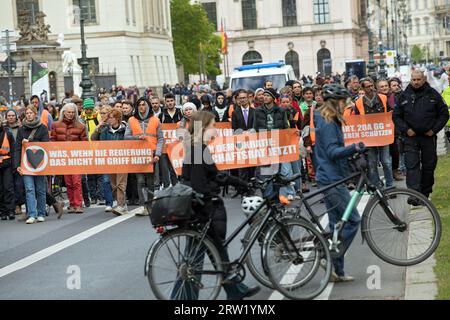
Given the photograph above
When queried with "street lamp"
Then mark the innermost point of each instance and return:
(382, 72)
(86, 82)
(371, 66)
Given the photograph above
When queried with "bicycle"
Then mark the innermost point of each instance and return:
(389, 209)
(412, 218)
(196, 268)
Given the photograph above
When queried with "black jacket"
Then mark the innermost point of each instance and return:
(420, 110)
(238, 121)
(8, 162)
(41, 135)
(204, 177)
(165, 117)
(201, 177)
(279, 119)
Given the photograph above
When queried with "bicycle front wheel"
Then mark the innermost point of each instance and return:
(406, 245)
(297, 259)
(254, 260)
(180, 266)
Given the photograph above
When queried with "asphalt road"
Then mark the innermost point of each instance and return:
(108, 253)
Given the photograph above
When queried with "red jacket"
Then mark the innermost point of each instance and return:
(68, 131)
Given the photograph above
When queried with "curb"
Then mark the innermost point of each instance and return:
(421, 281)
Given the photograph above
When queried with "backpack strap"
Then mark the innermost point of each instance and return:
(32, 134)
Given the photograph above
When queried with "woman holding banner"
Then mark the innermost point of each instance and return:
(145, 126)
(70, 128)
(116, 131)
(32, 130)
(331, 159)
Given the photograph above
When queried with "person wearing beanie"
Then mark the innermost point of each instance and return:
(13, 125)
(188, 110)
(259, 97)
(12, 122)
(7, 203)
(89, 117)
(144, 125)
(92, 184)
(271, 117)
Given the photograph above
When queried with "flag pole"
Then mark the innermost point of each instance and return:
(227, 70)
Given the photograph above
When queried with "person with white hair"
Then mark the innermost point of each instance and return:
(420, 114)
(70, 128)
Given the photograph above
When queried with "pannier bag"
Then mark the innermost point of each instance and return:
(172, 206)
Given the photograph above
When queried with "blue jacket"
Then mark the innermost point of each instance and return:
(330, 152)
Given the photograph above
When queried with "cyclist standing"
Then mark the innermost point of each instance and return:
(331, 160)
(204, 177)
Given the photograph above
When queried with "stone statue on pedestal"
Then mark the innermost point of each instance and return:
(33, 33)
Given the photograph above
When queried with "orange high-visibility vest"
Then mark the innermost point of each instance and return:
(312, 127)
(5, 149)
(360, 104)
(348, 111)
(44, 118)
(151, 132)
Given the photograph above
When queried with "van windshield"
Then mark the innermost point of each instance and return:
(253, 83)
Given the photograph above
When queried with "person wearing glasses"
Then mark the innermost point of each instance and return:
(146, 126)
(371, 103)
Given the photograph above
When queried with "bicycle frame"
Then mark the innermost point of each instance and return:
(363, 186)
(269, 214)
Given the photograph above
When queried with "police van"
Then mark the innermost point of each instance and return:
(252, 77)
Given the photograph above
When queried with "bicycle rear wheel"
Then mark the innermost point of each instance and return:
(297, 259)
(182, 267)
(402, 246)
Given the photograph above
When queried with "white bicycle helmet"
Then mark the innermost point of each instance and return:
(251, 204)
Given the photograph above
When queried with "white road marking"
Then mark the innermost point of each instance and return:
(45, 253)
(325, 295)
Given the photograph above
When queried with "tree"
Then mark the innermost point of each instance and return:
(194, 38)
(417, 54)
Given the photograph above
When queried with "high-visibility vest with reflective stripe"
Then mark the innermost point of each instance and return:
(360, 104)
(312, 127)
(151, 133)
(5, 149)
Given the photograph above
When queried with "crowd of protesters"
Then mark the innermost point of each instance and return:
(126, 114)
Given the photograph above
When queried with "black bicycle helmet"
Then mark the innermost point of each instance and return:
(334, 91)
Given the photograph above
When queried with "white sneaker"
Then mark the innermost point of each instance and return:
(31, 221)
(108, 209)
(120, 211)
(41, 219)
(142, 212)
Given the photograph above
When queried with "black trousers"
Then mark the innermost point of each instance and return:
(19, 189)
(7, 197)
(168, 173)
(421, 161)
(395, 154)
(132, 191)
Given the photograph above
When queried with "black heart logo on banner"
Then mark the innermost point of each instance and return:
(35, 158)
